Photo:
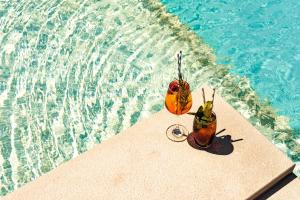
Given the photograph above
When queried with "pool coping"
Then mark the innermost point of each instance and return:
(139, 164)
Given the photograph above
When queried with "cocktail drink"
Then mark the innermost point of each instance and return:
(178, 98)
(205, 130)
(178, 101)
(205, 123)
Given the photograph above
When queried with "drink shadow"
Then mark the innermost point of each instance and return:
(221, 145)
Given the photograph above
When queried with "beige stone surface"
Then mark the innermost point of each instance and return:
(141, 163)
(291, 191)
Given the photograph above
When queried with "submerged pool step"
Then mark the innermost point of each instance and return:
(141, 163)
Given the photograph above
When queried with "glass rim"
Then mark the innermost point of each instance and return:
(214, 119)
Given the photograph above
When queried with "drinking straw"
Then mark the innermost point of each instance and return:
(203, 94)
(179, 57)
(213, 96)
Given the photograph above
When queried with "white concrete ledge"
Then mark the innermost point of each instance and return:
(141, 163)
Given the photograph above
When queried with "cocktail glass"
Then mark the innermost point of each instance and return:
(178, 101)
(205, 130)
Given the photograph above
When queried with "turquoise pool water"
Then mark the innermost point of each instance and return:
(75, 73)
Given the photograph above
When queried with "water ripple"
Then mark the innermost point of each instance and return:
(74, 73)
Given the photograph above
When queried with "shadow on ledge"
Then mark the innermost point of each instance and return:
(278, 186)
(221, 145)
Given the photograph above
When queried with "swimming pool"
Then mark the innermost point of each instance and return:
(74, 73)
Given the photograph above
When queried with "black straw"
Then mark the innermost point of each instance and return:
(179, 57)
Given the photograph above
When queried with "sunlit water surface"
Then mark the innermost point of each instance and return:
(74, 73)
